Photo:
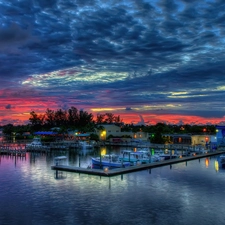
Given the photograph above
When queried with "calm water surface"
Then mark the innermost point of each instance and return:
(184, 194)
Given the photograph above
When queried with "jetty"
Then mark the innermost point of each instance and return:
(12, 151)
(106, 172)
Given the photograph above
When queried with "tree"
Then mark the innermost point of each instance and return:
(8, 129)
(72, 116)
(84, 118)
(109, 118)
(36, 120)
(60, 117)
(50, 117)
(94, 137)
(100, 118)
(117, 120)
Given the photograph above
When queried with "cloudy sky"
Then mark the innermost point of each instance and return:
(145, 60)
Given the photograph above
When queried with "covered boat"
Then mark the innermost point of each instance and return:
(109, 160)
(136, 157)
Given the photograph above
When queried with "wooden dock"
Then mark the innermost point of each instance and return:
(118, 171)
(12, 151)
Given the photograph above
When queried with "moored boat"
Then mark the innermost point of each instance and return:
(35, 144)
(135, 157)
(109, 160)
(85, 145)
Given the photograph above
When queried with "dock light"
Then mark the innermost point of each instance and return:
(106, 169)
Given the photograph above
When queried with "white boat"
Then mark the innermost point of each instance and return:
(36, 143)
(165, 156)
(200, 149)
(148, 157)
(85, 145)
(109, 160)
(135, 157)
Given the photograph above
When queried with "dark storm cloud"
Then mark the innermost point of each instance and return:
(8, 106)
(141, 51)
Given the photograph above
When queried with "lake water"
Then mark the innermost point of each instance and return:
(184, 194)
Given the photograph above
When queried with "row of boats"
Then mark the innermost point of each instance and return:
(128, 158)
(37, 144)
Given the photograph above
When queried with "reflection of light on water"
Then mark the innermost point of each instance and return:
(103, 151)
(216, 165)
(206, 162)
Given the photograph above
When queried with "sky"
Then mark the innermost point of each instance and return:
(147, 61)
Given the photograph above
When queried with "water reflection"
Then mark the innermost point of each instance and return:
(206, 162)
(32, 193)
(60, 175)
(216, 165)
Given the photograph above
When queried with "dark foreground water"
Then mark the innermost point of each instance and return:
(184, 194)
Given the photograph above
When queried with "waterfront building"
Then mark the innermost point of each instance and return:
(220, 136)
(118, 136)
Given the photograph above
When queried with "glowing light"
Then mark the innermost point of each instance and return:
(216, 166)
(206, 162)
(103, 151)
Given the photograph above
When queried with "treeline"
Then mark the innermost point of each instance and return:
(74, 119)
(71, 118)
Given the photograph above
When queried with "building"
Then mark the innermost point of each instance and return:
(108, 129)
(189, 139)
(114, 130)
(220, 136)
(178, 138)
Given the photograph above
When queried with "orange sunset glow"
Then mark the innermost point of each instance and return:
(126, 63)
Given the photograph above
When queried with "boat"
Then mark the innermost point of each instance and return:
(109, 160)
(36, 143)
(148, 157)
(135, 157)
(85, 145)
(166, 156)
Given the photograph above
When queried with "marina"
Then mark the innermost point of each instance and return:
(118, 171)
(67, 197)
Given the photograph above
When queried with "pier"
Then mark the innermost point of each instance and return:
(118, 171)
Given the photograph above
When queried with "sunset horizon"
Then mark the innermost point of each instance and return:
(147, 61)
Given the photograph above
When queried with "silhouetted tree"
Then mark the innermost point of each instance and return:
(36, 120)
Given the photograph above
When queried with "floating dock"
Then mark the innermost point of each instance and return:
(118, 171)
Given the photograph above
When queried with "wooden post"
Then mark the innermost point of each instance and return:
(100, 160)
(79, 159)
